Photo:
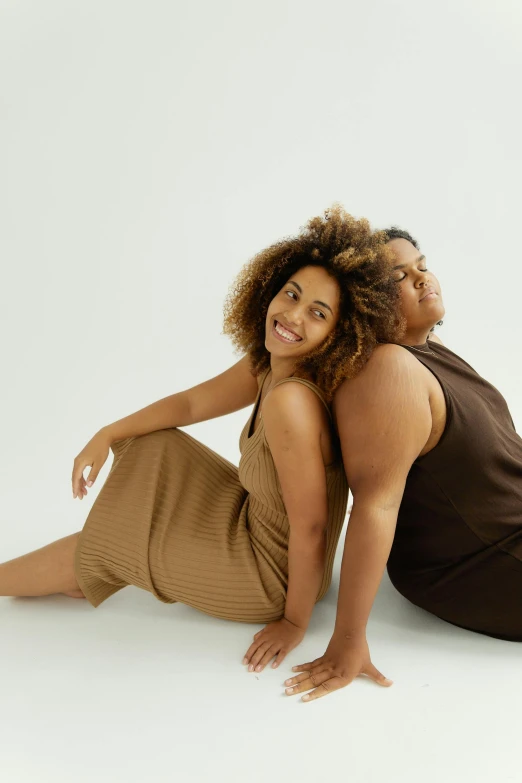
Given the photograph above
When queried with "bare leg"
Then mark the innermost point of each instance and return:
(42, 572)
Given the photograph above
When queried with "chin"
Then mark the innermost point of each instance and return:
(275, 348)
(440, 315)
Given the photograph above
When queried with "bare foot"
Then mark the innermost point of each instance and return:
(75, 594)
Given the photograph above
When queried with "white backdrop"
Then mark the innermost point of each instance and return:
(148, 149)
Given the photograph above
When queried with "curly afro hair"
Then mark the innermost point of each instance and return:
(369, 310)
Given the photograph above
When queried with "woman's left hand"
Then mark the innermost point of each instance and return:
(275, 639)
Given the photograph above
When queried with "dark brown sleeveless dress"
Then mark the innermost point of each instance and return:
(457, 551)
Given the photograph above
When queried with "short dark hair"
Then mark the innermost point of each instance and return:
(394, 232)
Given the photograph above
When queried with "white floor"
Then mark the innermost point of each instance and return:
(141, 691)
(148, 150)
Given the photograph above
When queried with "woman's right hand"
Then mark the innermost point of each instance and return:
(345, 659)
(94, 454)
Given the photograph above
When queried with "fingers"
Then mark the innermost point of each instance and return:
(249, 653)
(329, 686)
(322, 683)
(375, 674)
(279, 659)
(255, 661)
(79, 485)
(260, 653)
(300, 678)
(267, 657)
(321, 680)
(304, 667)
(304, 682)
(78, 481)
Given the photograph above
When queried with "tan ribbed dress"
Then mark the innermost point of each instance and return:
(175, 518)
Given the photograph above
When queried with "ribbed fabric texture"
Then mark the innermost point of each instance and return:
(178, 520)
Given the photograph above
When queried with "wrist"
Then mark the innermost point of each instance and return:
(301, 626)
(107, 433)
(350, 633)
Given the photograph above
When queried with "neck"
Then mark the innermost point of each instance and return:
(281, 368)
(415, 336)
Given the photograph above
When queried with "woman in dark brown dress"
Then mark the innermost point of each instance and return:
(435, 467)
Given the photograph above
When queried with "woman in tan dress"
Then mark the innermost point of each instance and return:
(254, 544)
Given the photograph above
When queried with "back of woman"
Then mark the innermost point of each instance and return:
(459, 521)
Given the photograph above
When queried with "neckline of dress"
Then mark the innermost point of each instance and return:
(423, 348)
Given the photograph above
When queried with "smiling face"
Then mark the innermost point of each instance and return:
(302, 314)
(421, 297)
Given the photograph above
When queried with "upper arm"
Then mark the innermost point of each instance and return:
(228, 392)
(294, 420)
(384, 419)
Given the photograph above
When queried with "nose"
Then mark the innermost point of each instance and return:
(294, 315)
(423, 280)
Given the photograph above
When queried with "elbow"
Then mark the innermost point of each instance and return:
(317, 530)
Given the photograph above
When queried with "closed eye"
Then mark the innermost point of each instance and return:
(400, 279)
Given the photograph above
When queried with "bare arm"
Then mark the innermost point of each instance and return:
(232, 390)
(294, 419)
(384, 420)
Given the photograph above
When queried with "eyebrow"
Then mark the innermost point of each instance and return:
(401, 266)
(316, 301)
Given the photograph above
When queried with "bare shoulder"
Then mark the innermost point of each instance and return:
(294, 405)
(434, 338)
(383, 417)
(387, 364)
(390, 381)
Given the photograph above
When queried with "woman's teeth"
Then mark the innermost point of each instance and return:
(287, 335)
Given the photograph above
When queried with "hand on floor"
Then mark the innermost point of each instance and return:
(275, 639)
(343, 661)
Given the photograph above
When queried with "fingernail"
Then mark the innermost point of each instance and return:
(89, 483)
(288, 682)
(289, 690)
(274, 665)
(245, 661)
(258, 668)
(294, 668)
(306, 698)
(250, 668)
